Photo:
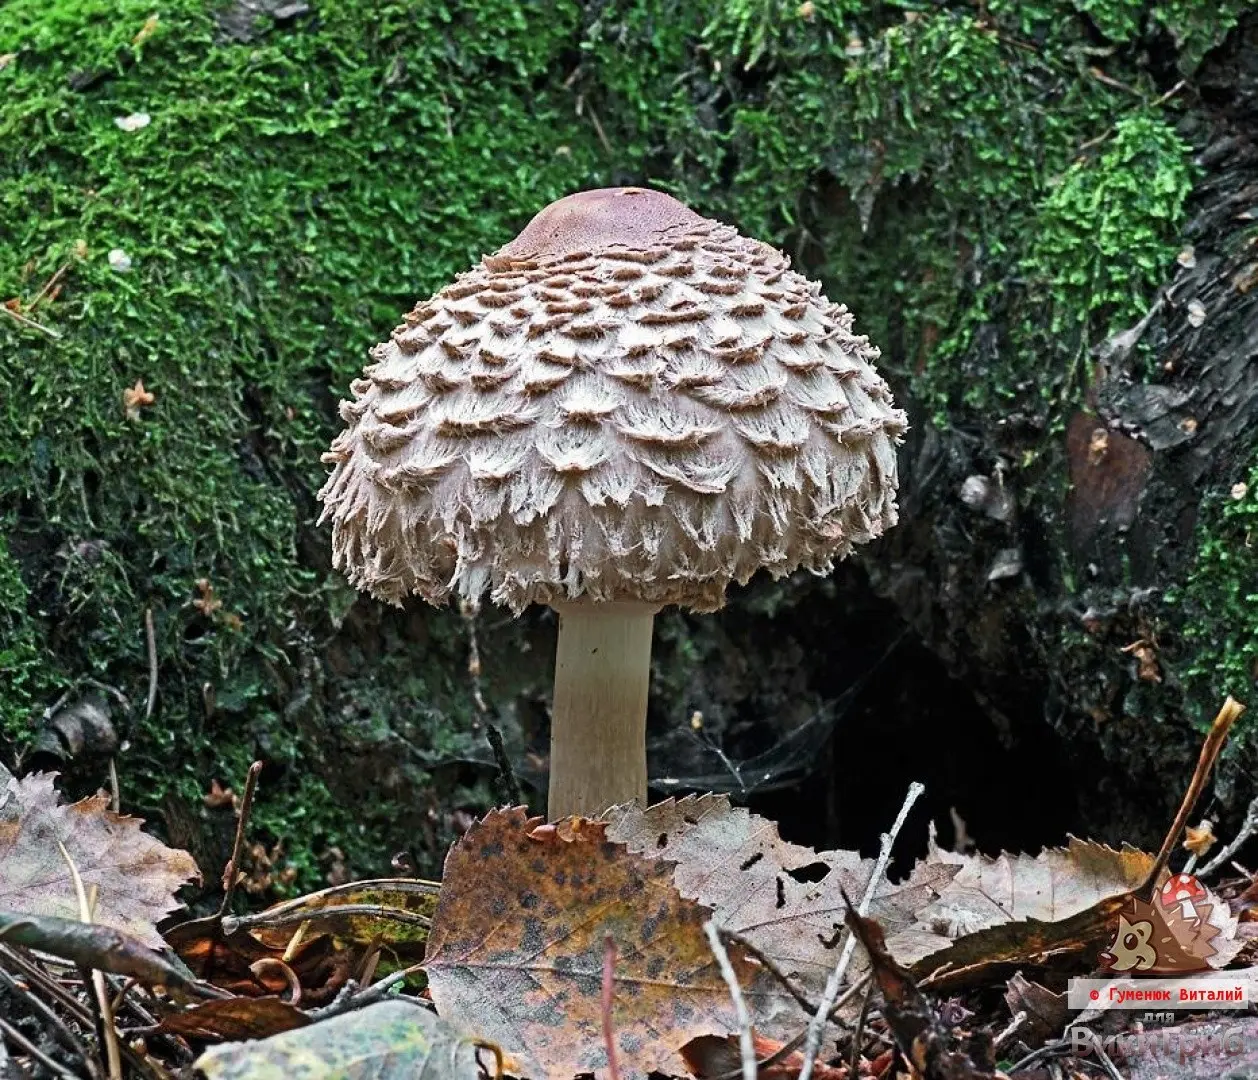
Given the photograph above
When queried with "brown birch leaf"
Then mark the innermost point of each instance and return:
(785, 899)
(518, 943)
(135, 874)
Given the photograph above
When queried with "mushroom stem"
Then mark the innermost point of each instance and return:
(598, 720)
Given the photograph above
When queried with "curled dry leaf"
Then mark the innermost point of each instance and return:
(1055, 908)
(391, 1040)
(784, 899)
(234, 1019)
(919, 1033)
(395, 912)
(89, 945)
(518, 940)
(136, 874)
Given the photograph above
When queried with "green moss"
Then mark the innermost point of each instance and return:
(1220, 598)
(1105, 234)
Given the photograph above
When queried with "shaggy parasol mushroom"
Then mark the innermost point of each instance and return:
(628, 406)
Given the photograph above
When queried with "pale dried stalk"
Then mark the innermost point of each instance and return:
(109, 1032)
(816, 1027)
(746, 1034)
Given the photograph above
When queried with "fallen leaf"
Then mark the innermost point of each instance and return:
(1199, 839)
(989, 893)
(136, 874)
(922, 1039)
(147, 30)
(230, 961)
(219, 797)
(1046, 1012)
(135, 398)
(391, 1040)
(91, 945)
(207, 603)
(234, 1019)
(785, 899)
(6, 59)
(395, 912)
(518, 940)
(712, 1056)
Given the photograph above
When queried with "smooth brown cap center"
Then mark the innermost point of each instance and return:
(595, 220)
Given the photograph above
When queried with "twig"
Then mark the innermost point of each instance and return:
(368, 996)
(1107, 1063)
(746, 1037)
(33, 972)
(49, 285)
(855, 1058)
(605, 1002)
(771, 967)
(1018, 1020)
(812, 1041)
(297, 918)
(150, 638)
(60, 1029)
(1210, 751)
(24, 1044)
(231, 871)
(786, 1049)
(1248, 828)
(115, 793)
(29, 322)
(506, 774)
(1156, 104)
(598, 130)
(108, 1030)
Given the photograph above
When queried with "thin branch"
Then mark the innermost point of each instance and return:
(817, 1025)
(1210, 750)
(1009, 1032)
(232, 870)
(29, 322)
(16, 1038)
(855, 1058)
(150, 639)
(105, 1014)
(369, 996)
(605, 1004)
(1248, 828)
(746, 1037)
(48, 287)
(296, 918)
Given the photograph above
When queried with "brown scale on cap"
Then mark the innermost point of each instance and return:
(626, 402)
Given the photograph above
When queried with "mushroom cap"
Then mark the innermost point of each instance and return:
(627, 402)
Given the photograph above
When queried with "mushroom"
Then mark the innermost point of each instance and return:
(627, 406)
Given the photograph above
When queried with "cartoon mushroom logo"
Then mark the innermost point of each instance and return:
(627, 406)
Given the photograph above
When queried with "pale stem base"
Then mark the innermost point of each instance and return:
(598, 720)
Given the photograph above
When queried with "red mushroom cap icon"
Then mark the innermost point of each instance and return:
(1184, 890)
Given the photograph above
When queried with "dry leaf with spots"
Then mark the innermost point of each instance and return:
(518, 940)
(785, 899)
(391, 1040)
(135, 874)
